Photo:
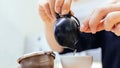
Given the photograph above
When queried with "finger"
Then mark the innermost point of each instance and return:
(66, 7)
(52, 8)
(58, 5)
(99, 14)
(116, 29)
(95, 19)
(71, 12)
(111, 20)
(43, 14)
(100, 27)
(85, 25)
(47, 10)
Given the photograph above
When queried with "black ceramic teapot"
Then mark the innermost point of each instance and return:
(67, 34)
(66, 30)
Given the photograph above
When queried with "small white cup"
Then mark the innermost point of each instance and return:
(76, 61)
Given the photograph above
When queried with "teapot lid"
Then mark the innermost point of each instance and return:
(36, 54)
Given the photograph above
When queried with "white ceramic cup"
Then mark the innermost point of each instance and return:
(76, 61)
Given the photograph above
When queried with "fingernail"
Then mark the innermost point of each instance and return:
(107, 29)
(58, 10)
(93, 31)
(82, 27)
(102, 20)
(64, 12)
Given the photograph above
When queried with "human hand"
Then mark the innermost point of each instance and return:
(112, 22)
(48, 9)
(47, 12)
(101, 17)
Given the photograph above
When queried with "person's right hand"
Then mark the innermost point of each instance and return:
(47, 12)
(50, 7)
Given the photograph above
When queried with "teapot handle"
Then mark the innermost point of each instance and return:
(78, 22)
(66, 15)
(69, 15)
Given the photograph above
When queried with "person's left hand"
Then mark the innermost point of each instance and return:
(105, 17)
(112, 22)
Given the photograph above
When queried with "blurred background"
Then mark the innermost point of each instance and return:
(22, 31)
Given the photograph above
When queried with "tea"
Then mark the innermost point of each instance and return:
(74, 52)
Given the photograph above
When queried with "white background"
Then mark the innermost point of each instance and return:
(21, 28)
